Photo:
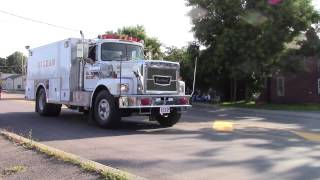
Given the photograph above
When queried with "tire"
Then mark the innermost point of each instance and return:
(167, 120)
(44, 108)
(105, 111)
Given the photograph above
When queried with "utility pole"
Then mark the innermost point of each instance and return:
(21, 65)
(196, 49)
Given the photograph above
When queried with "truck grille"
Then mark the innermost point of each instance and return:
(161, 78)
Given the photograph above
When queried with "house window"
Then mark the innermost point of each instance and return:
(280, 86)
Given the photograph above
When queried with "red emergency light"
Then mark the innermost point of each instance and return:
(121, 37)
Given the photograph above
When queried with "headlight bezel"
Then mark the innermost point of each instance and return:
(124, 88)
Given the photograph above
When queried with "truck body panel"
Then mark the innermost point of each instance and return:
(55, 66)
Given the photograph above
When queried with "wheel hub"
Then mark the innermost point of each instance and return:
(104, 109)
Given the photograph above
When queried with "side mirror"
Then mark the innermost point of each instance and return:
(82, 50)
(90, 61)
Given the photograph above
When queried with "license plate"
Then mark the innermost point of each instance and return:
(164, 110)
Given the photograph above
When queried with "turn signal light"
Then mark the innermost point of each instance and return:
(145, 101)
(183, 101)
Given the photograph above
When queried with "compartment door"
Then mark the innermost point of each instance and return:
(54, 90)
(30, 92)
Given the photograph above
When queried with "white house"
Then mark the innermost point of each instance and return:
(14, 82)
(3, 78)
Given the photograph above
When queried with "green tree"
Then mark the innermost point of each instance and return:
(246, 38)
(135, 31)
(152, 45)
(184, 57)
(15, 63)
(2, 65)
(304, 46)
(175, 54)
(311, 45)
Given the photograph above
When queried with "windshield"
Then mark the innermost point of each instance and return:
(119, 51)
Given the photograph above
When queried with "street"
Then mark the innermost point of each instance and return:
(263, 145)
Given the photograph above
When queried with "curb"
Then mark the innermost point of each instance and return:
(107, 171)
(204, 105)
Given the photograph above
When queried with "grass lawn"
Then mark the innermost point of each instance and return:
(288, 107)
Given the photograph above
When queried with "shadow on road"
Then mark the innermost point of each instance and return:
(68, 126)
(265, 149)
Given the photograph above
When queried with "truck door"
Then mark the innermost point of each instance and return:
(90, 71)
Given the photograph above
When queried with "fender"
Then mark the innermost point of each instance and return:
(113, 86)
(37, 88)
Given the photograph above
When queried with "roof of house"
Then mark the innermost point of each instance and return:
(5, 75)
(14, 76)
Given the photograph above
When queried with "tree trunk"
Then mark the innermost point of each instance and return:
(231, 90)
(234, 97)
(247, 89)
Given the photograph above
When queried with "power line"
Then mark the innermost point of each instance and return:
(40, 22)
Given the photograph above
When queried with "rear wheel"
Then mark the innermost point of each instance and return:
(44, 108)
(167, 120)
(106, 112)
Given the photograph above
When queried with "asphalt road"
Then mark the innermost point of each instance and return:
(262, 146)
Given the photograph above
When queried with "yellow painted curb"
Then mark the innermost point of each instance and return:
(74, 159)
(223, 126)
(308, 136)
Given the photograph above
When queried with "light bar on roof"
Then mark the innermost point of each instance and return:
(121, 37)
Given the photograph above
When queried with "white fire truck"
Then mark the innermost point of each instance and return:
(107, 77)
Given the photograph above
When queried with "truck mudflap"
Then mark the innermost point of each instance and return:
(154, 101)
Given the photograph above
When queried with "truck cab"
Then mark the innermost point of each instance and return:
(108, 77)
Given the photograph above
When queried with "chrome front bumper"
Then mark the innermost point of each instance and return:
(155, 101)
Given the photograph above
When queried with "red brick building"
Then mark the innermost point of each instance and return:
(301, 87)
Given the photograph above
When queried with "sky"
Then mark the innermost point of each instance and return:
(165, 19)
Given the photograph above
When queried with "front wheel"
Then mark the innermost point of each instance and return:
(106, 113)
(167, 120)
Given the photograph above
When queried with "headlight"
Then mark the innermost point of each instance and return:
(181, 87)
(140, 88)
(124, 88)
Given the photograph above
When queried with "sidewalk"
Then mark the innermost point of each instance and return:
(13, 91)
(11, 96)
(19, 163)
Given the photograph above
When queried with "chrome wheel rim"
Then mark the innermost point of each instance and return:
(104, 110)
